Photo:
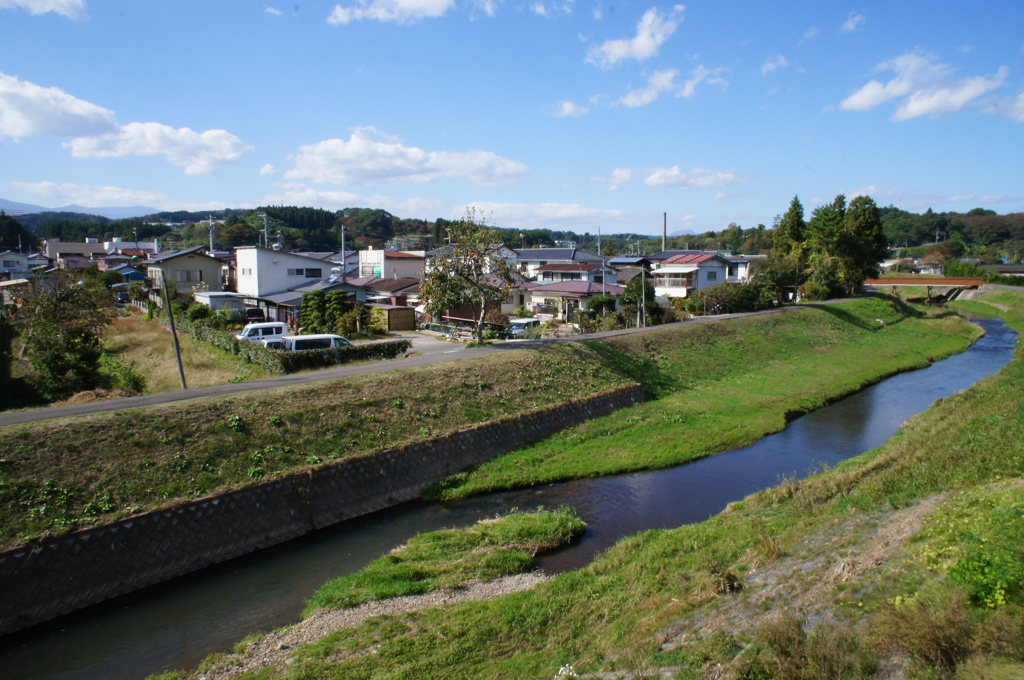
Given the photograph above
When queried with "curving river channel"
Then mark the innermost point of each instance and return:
(176, 624)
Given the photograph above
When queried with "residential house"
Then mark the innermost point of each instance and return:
(129, 274)
(564, 300)
(530, 260)
(287, 305)
(188, 269)
(391, 264)
(13, 265)
(636, 261)
(260, 272)
(560, 273)
(679, 275)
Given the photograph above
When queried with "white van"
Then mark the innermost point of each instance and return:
(258, 332)
(297, 343)
(520, 327)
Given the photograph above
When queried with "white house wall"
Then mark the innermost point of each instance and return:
(261, 272)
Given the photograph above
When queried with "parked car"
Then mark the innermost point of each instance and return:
(254, 315)
(273, 343)
(122, 297)
(520, 327)
(257, 332)
(297, 343)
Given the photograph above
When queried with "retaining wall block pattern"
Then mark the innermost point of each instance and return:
(57, 576)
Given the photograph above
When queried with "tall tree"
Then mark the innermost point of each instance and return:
(469, 271)
(864, 242)
(65, 320)
(791, 231)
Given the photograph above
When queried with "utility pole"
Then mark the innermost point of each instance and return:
(344, 262)
(211, 235)
(664, 231)
(174, 334)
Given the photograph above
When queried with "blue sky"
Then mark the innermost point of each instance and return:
(564, 115)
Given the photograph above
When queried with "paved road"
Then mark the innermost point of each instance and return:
(427, 349)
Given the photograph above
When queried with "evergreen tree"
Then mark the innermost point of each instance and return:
(791, 231)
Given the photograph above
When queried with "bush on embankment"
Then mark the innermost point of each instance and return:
(277, 361)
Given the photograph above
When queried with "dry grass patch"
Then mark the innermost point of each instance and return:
(148, 347)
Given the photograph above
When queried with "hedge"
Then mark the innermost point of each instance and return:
(281, 362)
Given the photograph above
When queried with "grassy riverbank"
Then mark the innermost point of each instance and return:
(723, 387)
(57, 475)
(451, 558)
(903, 562)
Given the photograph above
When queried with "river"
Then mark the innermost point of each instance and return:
(175, 625)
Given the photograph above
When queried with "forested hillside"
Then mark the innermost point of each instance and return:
(979, 233)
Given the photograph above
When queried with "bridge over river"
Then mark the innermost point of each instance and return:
(952, 286)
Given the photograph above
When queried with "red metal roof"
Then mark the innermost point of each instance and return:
(690, 259)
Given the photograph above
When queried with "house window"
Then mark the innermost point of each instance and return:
(294, 272)
(733, 272)
(314, 273)
(712, 276)
(10, 263)
(188, 276)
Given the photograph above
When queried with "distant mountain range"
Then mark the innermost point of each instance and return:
(116, 213)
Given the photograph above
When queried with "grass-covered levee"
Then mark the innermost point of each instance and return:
(902, 562)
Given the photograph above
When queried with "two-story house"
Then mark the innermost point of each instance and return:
(679, 275)
(264, 271)
(391, 264)
(189, 269)
(532, 259)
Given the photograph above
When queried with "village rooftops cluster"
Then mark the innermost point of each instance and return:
(552, 281)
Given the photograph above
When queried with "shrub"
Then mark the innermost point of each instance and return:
(197, 312)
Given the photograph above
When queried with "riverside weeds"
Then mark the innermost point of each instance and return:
(61, 474)
(724, 387)
(654, 602)
(451, 558)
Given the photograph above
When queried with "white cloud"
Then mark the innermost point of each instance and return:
(273, 10)
(268, 169)
(90, 195)
(660, 81)
(300, 194)
(72, 9)
(811, 32)
(924, 86)
(569, 109)
(200, 153)
(508, 214)
(371, 157)
(773, 64)
(653, 29)
(398, 11)
(551, 9)
(615, 181)
(853, 22)
(697, 178)
(27, 109)
(664, 81)
(700, 75)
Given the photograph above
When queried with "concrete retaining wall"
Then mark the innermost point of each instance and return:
(57, 576)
